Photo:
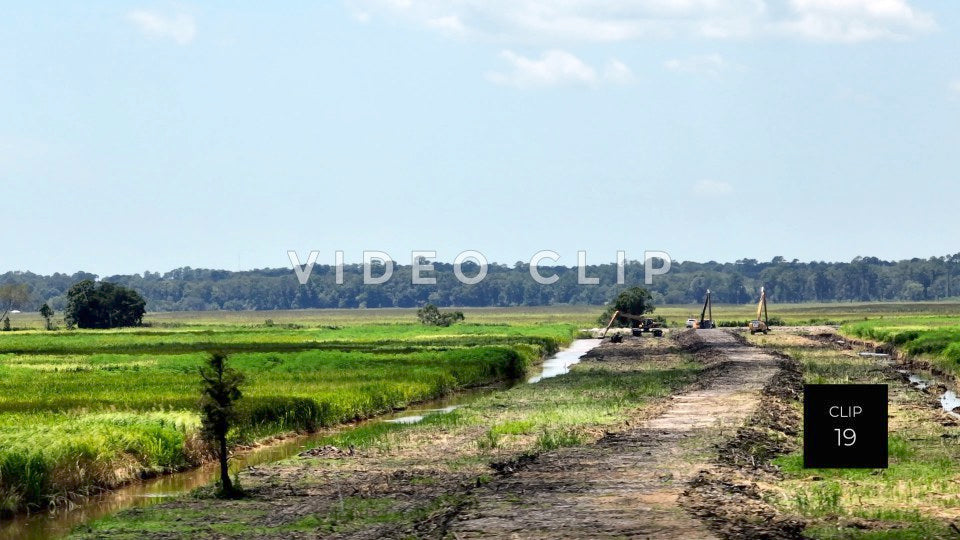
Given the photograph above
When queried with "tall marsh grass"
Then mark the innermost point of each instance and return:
(936, 337)
(89, 410)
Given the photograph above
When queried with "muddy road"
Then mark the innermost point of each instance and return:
(629, 483)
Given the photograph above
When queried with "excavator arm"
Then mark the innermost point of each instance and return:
(604, 333)
(707, 309)
(762, 306)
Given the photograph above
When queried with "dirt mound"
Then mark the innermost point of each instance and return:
(691, 342)
(787, 385)
(735, 508)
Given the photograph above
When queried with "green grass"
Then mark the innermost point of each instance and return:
(82, 410)
(583, 316)
(320, 318)
(910, 499)
(937, 338)
(86, 409)
(374, 337)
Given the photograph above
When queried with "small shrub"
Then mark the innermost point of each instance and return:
(431, 316)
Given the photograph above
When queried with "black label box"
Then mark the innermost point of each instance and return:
(845, 426)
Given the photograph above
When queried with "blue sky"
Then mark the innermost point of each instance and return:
(151, 136)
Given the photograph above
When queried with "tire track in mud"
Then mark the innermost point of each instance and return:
(629, 483)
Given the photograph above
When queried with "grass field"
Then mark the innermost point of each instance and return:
(581, 315)
(914, 498)
(933, 338)
(84, 410)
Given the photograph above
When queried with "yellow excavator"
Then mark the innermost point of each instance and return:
(758, 325)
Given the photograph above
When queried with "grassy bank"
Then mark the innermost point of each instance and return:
(937, 339)
(84, 410)
(915, 497)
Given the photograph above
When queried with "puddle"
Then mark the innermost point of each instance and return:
(948, 399)
(43, 525)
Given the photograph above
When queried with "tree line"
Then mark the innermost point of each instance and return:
(191, 289)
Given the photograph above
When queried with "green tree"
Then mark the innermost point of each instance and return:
(221, 389)
(634, 301)
(103, 305)
(47, 314)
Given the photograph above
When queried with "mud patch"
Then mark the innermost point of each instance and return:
(733, 505)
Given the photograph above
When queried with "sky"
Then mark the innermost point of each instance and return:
(151, 136)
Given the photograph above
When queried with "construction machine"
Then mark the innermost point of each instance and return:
(758, 325)
(706, 314)
(647, 324)
(638, 324)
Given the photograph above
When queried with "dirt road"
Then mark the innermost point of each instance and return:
(628, 483)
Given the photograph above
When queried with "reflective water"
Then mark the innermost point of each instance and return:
(948, 398)
(561, 362)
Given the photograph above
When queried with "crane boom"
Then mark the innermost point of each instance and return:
(706, 322)
(762, 306)
(760, 324)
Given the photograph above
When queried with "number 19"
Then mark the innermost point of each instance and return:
(847, 437)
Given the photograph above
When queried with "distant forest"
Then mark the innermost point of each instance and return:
(186, 289)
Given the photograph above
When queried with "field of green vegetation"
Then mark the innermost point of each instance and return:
(914, 498)
(86, 410)
(584, 316)
(934, 338)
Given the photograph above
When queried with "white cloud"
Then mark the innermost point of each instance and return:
(181, 28)
(855, 20)
(955, 85)
(708, 64)
(536, 21)
(711, 188)
(448, 24)
(555, 68)
(617, 72)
